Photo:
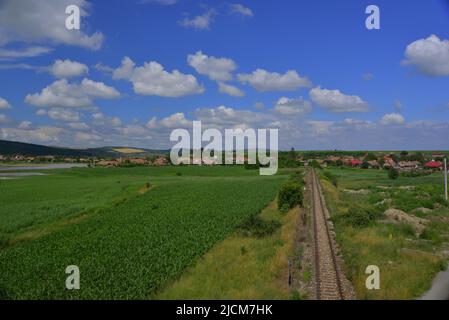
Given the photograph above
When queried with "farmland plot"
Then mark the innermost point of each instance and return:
(133, 248)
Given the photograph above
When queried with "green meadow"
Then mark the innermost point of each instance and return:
(129, 230)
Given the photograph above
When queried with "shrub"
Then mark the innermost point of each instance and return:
(255, 226)
(290, 195)
(332, 178)
(315, 164)
(393, 174)
(358, 216)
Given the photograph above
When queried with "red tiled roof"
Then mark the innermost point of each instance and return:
(355, 162)
(433, 164)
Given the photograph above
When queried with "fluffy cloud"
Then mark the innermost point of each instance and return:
(63, 94)
(44, 21)
(152, 79)
(230, 89)
(63, 115)
(25, 125)
(200, 22)
(4, 104)
(176, 120)
(219, 69)
(263, 80)
(223, 116)
(392, 119)
(290, 107)
(430, 56)
(335, 101)
(68, 69)
(239, 9)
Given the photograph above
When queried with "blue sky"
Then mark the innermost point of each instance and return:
(309, 68)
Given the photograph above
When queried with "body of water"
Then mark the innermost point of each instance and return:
(43, 166)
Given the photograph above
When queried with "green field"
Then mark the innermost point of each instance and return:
(243, 266)
(128, 240)
(408, 261)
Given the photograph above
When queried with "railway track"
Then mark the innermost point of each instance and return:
(331, 283)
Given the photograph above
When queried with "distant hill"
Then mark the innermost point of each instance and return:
(28, 149)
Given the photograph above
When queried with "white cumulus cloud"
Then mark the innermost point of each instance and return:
(31, 21)
(25, 125)
(392, 119)
(290, 107)
(230, 90)
(151, 79)
(4, 104)
(200, 22)
(430, 56)
(263, 80)
(219, 69)
(336, 101)
(176, 120)
(63, 94)
(67, 69)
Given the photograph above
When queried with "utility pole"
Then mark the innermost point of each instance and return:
(445, 178)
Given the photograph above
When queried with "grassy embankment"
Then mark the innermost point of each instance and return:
(407, 260)
(130, 243)
(243, 266)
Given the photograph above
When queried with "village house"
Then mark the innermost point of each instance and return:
(389, 162)
(354, 163)
(107, 163)
(438, 156)
(138, 161)
(373, 164)
(408, 165)
(160, 161)
(333, 158)
(433, 165)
